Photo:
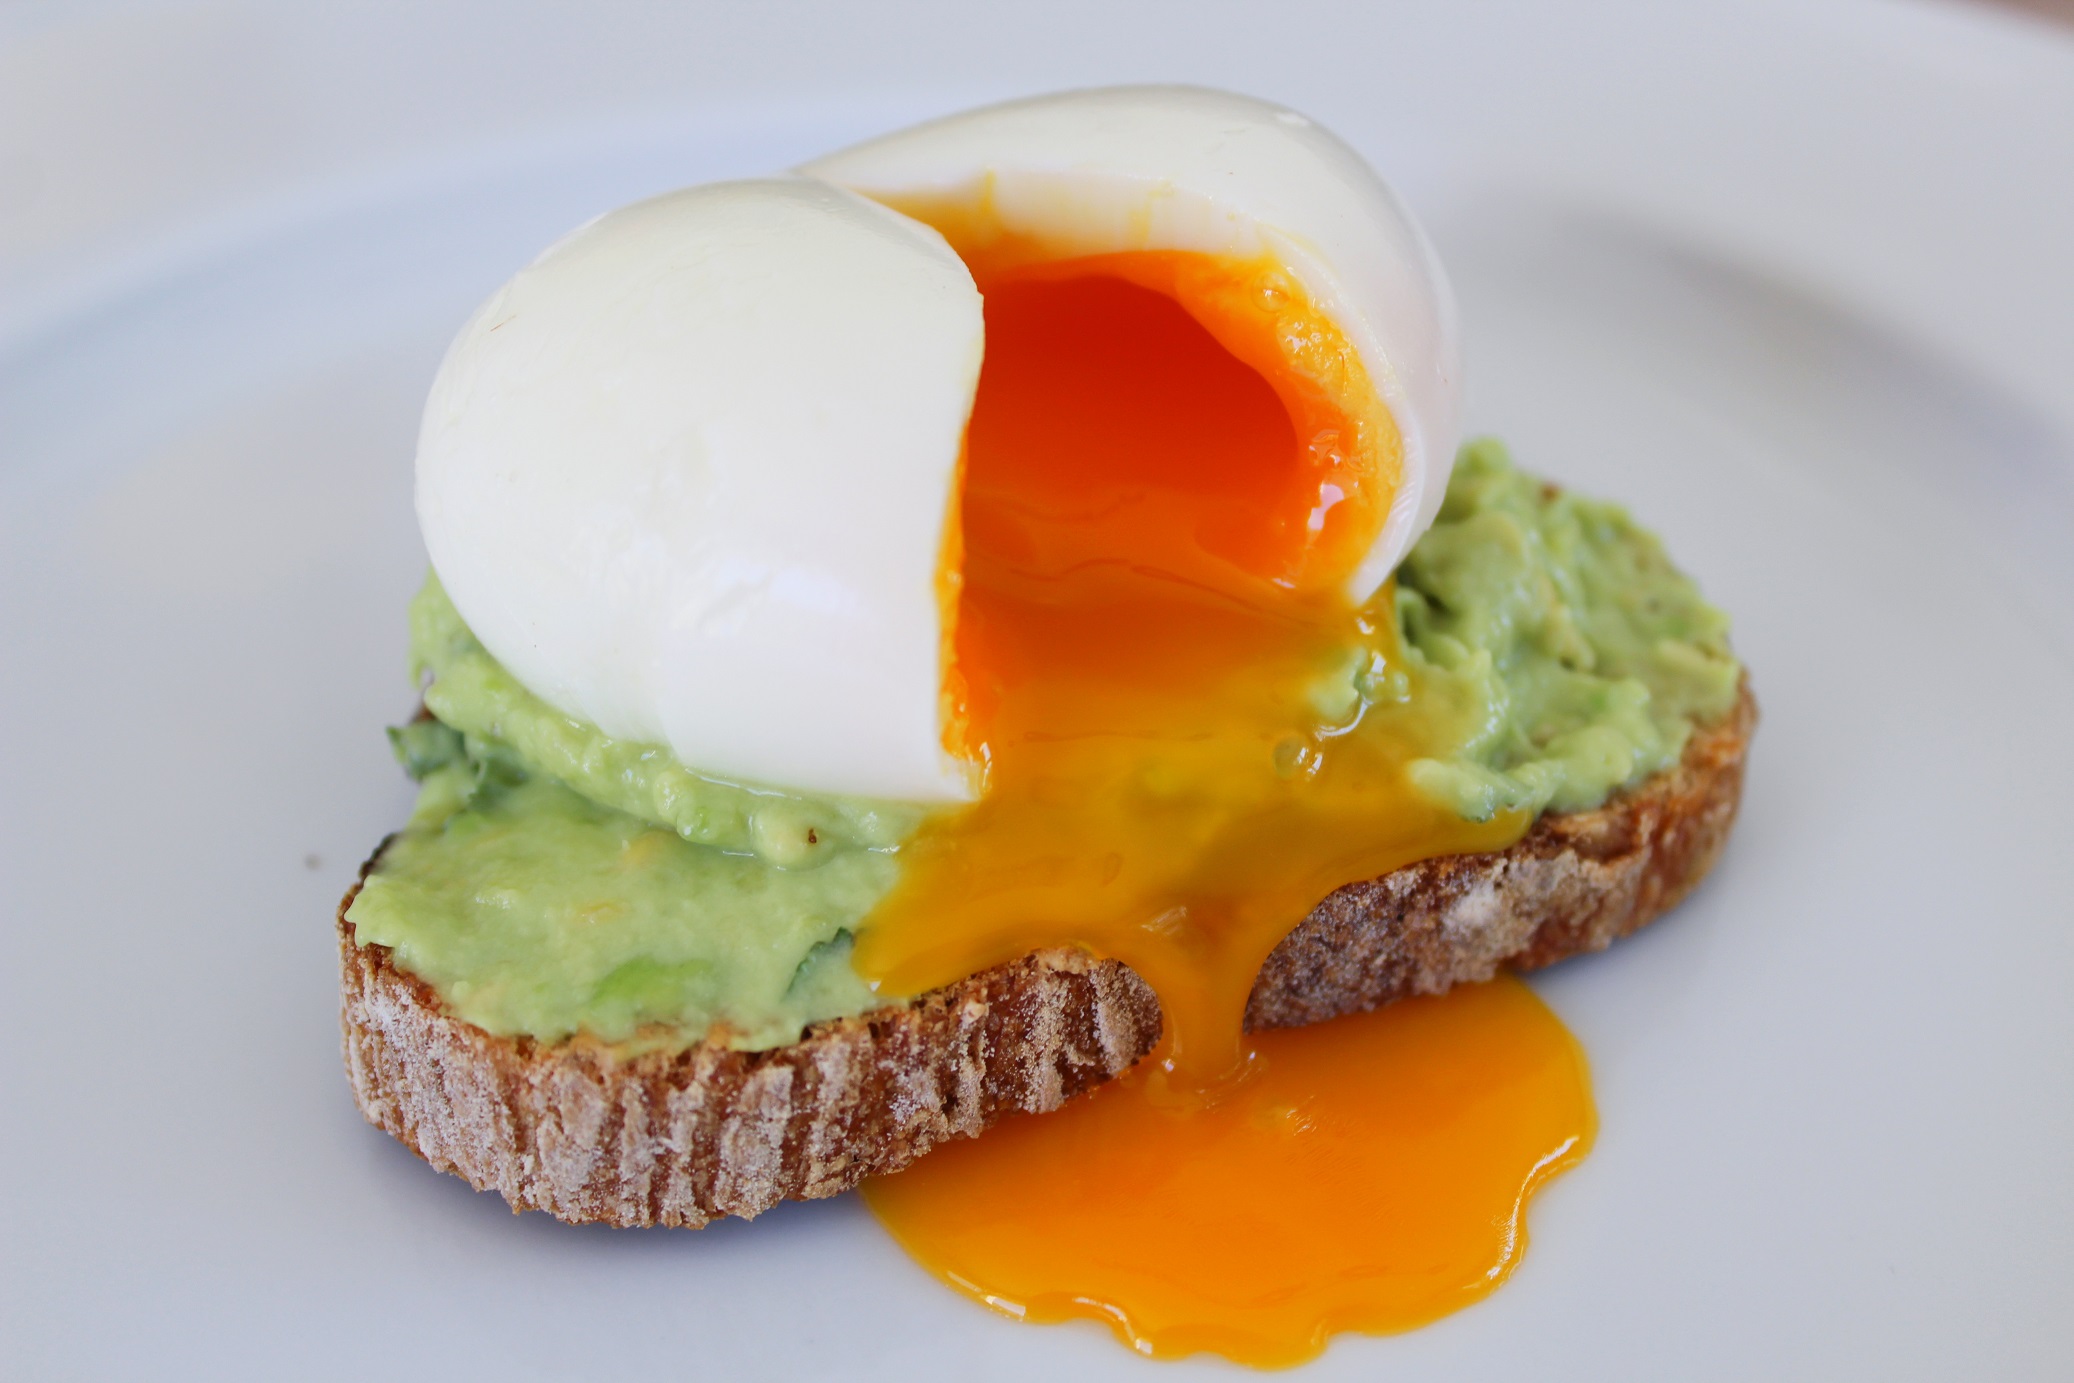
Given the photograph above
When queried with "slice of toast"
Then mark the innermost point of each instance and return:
(682, 1138)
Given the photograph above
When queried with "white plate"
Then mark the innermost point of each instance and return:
(1792, 280)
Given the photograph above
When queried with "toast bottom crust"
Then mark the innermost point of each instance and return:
(684, 1138)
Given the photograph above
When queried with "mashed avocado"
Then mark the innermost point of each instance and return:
(554, 879)
(503, 722)
(1582, 656)
(534, 910)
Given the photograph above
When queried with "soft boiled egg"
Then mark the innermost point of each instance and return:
(1045, 463)
(693, 474)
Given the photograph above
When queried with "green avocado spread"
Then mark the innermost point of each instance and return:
(554, 880)
(1583, 657)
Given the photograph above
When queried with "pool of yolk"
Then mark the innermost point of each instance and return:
(1372, 1178)
(1174, 464)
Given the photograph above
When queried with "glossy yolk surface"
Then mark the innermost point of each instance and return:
(1373, 1177)
(1189, 736)
(1154, 657)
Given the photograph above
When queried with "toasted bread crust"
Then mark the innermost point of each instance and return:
(683, 1138)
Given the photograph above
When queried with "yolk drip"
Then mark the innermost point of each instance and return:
(1189, 735)
(1156, 661)
(1373, 1178)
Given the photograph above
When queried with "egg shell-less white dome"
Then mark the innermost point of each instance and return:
(687, 477)
(1187, 168)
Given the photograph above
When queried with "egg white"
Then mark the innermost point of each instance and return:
(686, 476)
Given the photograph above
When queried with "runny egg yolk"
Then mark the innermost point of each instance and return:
(1189, 735)
(1373, 1177)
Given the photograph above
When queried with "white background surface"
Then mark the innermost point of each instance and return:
(1795, 281)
